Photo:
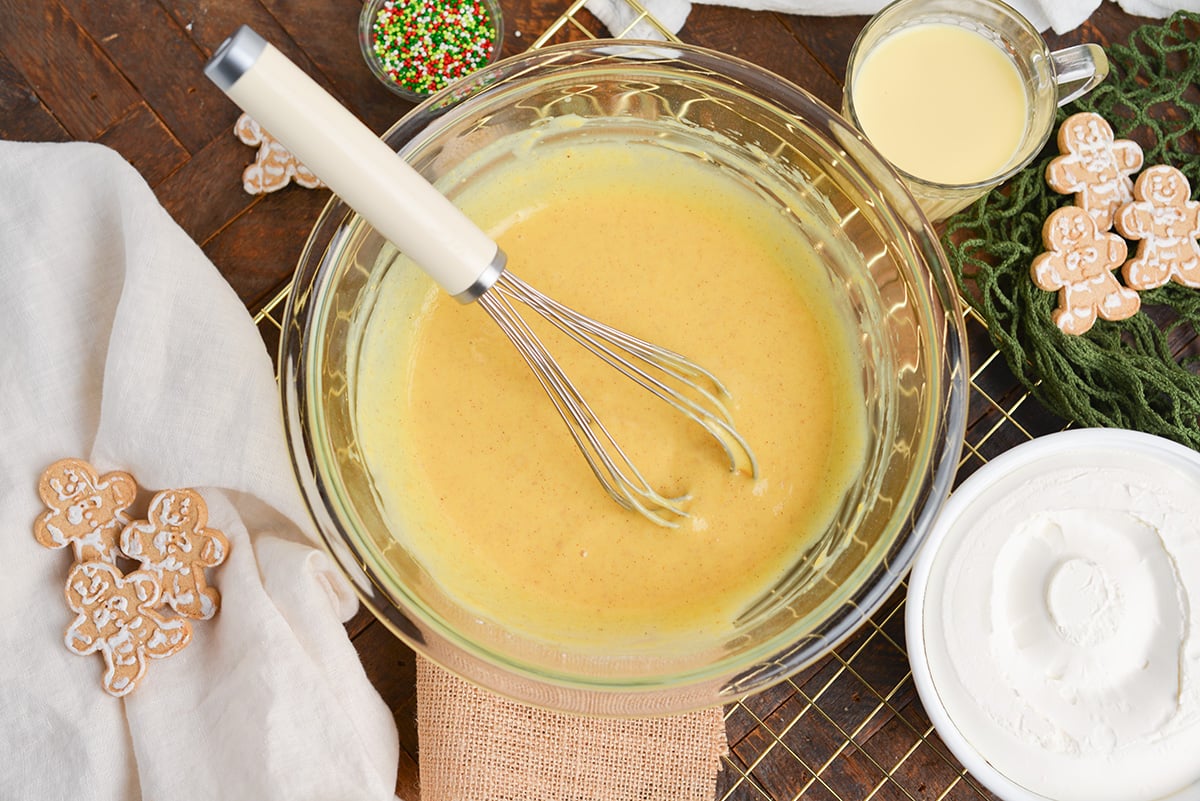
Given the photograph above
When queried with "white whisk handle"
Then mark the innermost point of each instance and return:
(344, 153)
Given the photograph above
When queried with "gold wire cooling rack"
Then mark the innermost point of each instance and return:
(851, 727)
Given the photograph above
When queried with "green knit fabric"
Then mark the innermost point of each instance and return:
(1128, 373)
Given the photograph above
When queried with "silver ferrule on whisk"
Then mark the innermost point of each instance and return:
(486, 279)
(234, 57)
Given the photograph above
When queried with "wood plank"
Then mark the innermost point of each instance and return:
(145, 142)
(524, 22)
(408, 778)
(22, 115)
(828, 40)
(84, 91)
(765, 40)
(206, 192)
(392, 667)
(208, 24)
(173, 81)
(259, 248)
(359, 623)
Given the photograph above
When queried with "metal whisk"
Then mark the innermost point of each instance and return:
(411, 213)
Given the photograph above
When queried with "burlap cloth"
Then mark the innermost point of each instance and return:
(476, 746)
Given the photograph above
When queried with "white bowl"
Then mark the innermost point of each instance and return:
(1026, 521)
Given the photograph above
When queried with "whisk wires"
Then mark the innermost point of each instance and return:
(684, 385)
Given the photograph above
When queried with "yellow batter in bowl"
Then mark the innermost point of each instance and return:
(482, 479)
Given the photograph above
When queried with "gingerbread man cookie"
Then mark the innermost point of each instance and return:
(1167, 221)
(175, 543)
(116, 616)
(274, 166)
(1079, 265)
(84, 509)
(1094, 165)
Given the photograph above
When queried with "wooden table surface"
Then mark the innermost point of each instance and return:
(128, 74)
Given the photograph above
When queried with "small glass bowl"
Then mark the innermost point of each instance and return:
(421, 86)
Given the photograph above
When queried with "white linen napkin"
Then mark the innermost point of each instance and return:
(1061, 15)
(124, 346)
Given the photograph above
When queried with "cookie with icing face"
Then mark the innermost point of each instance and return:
(1078, 264)
(1166, 222)
(83, 509)
(1095, 166)
(175, 543)
(116, 616)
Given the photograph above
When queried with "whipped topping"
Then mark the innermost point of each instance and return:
(1061, 630)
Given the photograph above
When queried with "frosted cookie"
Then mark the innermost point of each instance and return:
(176, 544)
(1167, 222)
(116, 616)
(1078, 263)
(274, 166)
(1095, 166)
(84, 509)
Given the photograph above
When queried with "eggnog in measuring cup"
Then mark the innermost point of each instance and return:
(943, 103)
(960, 94)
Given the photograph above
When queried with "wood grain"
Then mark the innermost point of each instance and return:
(63, 65)
(23, 117)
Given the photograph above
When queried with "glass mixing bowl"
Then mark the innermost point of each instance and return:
(867, 232)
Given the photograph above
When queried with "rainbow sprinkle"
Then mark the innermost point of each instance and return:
(424, 45)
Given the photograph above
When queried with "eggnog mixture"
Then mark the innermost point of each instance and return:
(481, 477)
(943, 103)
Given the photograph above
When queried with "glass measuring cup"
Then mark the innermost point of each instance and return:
(931, 124)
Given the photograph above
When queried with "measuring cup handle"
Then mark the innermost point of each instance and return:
(1078, 70)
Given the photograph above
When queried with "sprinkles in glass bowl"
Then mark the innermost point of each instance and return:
(418, 47)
